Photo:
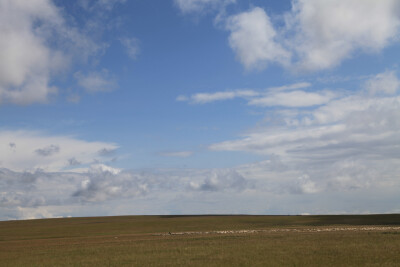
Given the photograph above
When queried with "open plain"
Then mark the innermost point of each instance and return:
(242, 240)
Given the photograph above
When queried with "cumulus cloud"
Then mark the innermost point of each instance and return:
(32, 189)
(218, 180)
(314, 35)
(330, 31)
(253, 38)
(50, 194)
(104, 183)
(272, 186)
(38, 43)
(265, 187)
(27, 61)
(40, 193)
(50, 153)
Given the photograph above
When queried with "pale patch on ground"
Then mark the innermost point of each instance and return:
(297, 230)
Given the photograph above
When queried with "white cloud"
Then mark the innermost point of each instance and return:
(386, 82)
(34, 191)
(48, 150)
(218, 180)
(316, 34)
(281, 141)
(103, 183)
(330, 31)
(337, 129)
(33, 150)
(275, 186)
(131, 46)
(202, 98)
(304, 185)
(286, 96)
(52, 194)
(211, 97)
(349, 143)
(96, 81)
(253, 38)
(293, 99)
(100, 185)
(191, 6)
(179, 154)
(27, 61)
(346, 144)
(38, 43)
(290, 87)
(102, 168)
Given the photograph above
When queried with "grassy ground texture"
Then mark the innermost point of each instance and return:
(353, 240)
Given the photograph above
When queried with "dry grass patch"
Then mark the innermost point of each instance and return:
(135, 241)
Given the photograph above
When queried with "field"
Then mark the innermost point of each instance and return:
(353, 240)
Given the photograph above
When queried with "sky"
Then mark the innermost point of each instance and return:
(125, 107)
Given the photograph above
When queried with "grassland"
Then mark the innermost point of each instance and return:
(362, 240)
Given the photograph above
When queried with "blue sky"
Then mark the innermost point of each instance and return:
(112, 107)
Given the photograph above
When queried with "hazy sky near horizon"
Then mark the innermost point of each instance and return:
(111, 107)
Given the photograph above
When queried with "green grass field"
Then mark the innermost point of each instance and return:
(145, 241)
